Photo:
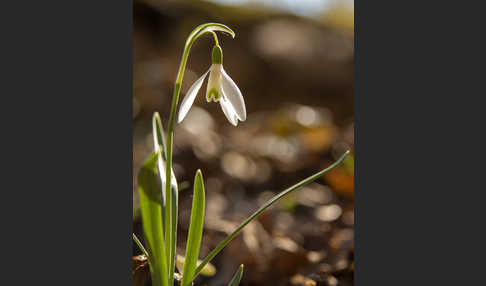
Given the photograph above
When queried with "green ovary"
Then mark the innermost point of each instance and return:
(212, 94)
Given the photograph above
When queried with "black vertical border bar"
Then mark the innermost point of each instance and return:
(66, 148)
(419, 144)
(130, 145)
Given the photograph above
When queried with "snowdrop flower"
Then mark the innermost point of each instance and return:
(221, 88)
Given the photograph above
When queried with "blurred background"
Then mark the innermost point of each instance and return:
(293, 61)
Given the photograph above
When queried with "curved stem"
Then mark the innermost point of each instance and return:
(170, 235)
(215, 38)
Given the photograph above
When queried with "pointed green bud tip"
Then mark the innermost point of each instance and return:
(199, 175)
(217, 56)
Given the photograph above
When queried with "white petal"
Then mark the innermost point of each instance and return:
(189, 98)
(228, 111)
(234, 96)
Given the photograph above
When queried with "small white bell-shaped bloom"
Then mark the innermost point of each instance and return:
(221, 88)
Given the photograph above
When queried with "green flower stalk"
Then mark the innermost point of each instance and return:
(170, 218)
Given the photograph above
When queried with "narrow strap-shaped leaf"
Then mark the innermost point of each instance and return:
(150, 205)
(170, 200)
(140, 245)
(237, 277)
(195, 230)
(270, 202)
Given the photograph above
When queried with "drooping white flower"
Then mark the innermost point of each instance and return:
(221, 88)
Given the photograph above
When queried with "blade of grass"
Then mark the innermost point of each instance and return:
(237, 277)
(270, 202)
(195, 230)
(171, 199)
(150, 205)
(140, 245)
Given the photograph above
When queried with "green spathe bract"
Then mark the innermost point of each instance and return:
(159, 209)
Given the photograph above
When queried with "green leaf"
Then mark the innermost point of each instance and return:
(237, 277)
(150, 206)
(171, 199)
(140, 245)
(270, 202)
(195, 230)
